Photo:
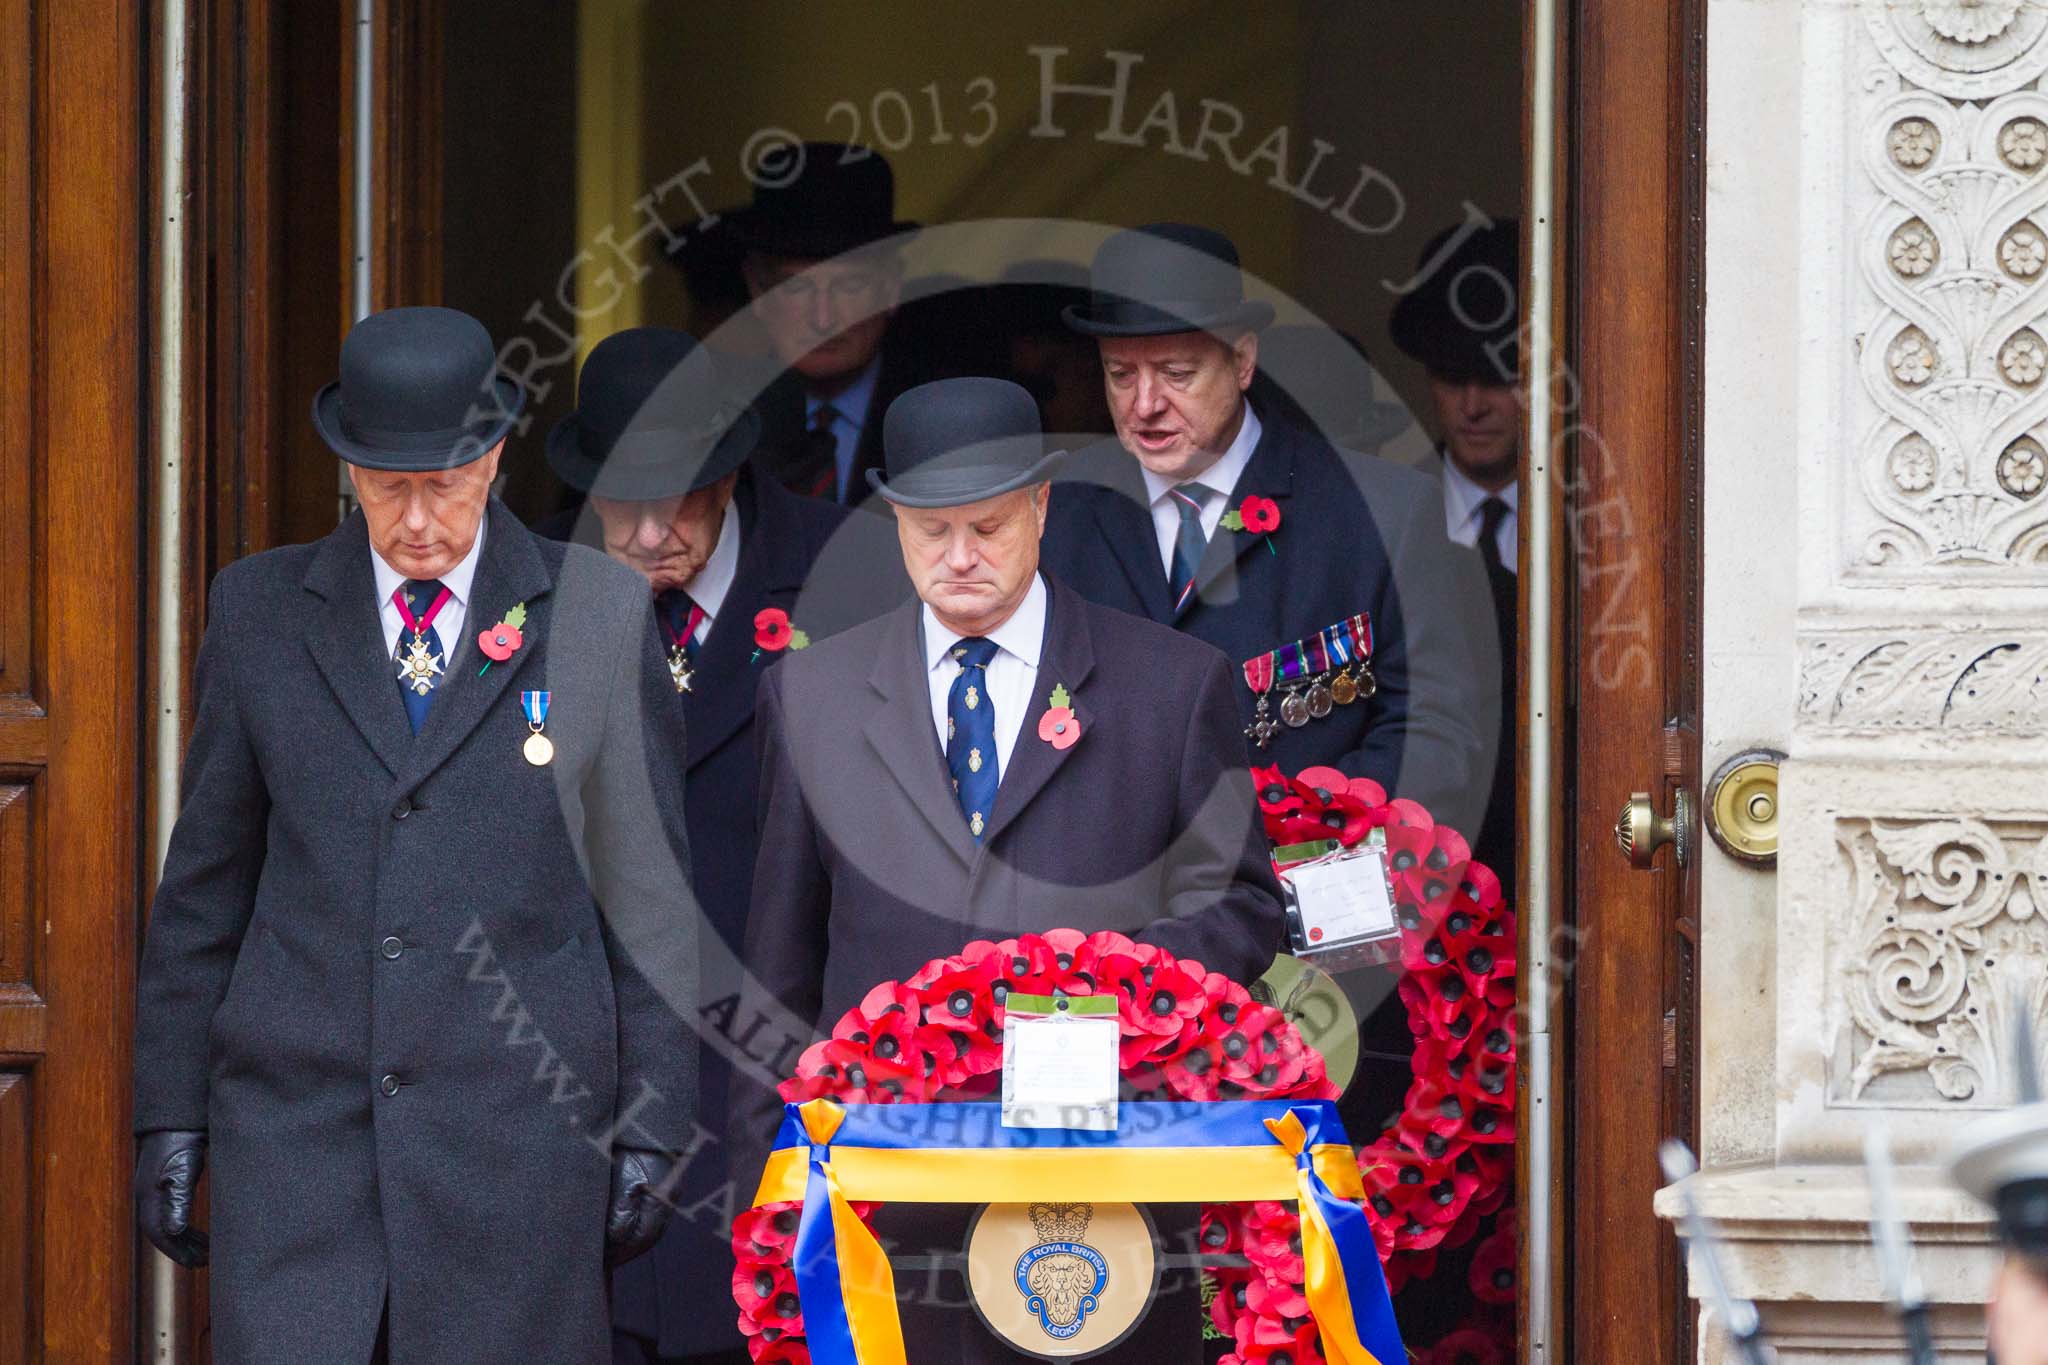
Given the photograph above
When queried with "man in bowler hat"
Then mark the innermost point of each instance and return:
(821, 263)
(914, 797)
(1462, 323)
(1144, 523)
(661, 444)
(420, 961)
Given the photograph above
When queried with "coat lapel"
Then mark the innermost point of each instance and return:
(900, 732)
(347, 642)
(510, 571)
(1269, 473)
(1066, 660)
(1122, 512)
(770, 573)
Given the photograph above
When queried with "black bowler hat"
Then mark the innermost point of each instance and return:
(419, 391)
(1165, 278)
(655, 418)
(815, 200)
(1463, 321)
(956, 441)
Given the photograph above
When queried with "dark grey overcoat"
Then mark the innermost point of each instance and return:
(378, 974)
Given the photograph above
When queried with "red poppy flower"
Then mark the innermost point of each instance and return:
(767, 1231)
(1492, 1274)
(1273, 1240)
(1410, 1265)
(1276, 794)
(784, 1351)
(959, 998)
(767, 1296)
(1196, 1072)
(850, 1071)
(771, 628)
(500, 641)
(1264, 1054)
(1271, 1298)
(1479, 889)
(1260, 515)
(1222, 1229)
(1233, 1284)
(1155, 999)
(1271, 1341)
(1058, 727)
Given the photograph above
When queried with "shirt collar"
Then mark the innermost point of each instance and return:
(1222, 475)
(1023, 635)
(714, 580)
(851, 402)
(1465, 496)
(457, 580)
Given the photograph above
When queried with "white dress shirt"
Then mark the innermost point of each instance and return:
(1221, 476)
(714, 580)
(850, 406)
(448, 622)
(1012, 673)
(1463, 517)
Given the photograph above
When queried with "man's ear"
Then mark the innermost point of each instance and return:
(1244, 359)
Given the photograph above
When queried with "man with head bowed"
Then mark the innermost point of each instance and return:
(920, 788)
(419, 963)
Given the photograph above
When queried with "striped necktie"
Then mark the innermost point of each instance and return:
(1189, 499)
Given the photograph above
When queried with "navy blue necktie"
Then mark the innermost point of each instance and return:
(971, 733)
(1188, 499)
(420, 669)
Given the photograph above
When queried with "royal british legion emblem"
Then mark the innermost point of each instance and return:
(1062, 1278)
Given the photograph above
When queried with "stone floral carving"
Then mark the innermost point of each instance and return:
(2022, 467)
(2022, 144)
(1962, 49)
(1970, 21)
(1911, 357)
(1904, 681)
(1914, 142)
(1942, 946)
(1955, 263)
(2023, 358)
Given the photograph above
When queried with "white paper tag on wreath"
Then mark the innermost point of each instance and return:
(1060, 1062)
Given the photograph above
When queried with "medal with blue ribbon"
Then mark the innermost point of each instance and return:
(1314, 674)
(540, 750)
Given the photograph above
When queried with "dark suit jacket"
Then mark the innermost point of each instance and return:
(1146, 825)
(1357, 534)
(344, 902)
(662, 1296)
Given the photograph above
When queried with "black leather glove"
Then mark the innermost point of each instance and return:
(640, 1207)
(167, 1166)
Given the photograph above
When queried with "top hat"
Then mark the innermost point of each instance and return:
(1165, 278)
(956, 441)
(419, 391)
(1462, 322)
(816, 200)
(654, 419)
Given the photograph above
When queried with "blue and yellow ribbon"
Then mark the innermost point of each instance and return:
(828, 1155)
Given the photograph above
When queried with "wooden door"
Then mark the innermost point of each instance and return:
(1629, 171)
(71, 251)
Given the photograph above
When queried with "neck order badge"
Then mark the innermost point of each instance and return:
(540, 750)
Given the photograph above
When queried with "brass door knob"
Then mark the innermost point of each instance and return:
(1639, 831)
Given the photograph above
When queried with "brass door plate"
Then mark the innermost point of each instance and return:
(1742, 807)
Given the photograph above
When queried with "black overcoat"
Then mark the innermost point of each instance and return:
(377, 971)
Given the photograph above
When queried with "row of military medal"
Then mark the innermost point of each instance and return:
(1315, 674)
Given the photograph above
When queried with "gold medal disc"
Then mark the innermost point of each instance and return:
(1344, 688)
(540, 750)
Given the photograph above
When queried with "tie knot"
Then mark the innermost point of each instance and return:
(824, 417)
(1191, 498)
(674, 605)
(1492, 512)
(418, 594)
(974, 652)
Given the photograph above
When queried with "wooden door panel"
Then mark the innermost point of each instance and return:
(72, 243)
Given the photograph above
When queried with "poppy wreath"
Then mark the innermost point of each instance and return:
(1187, 1034)
(1446, 1164)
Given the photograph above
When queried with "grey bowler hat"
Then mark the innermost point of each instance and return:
(956, 441)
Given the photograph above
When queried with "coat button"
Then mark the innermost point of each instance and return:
(389, 1085)
(393, 947)
(402, 809)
